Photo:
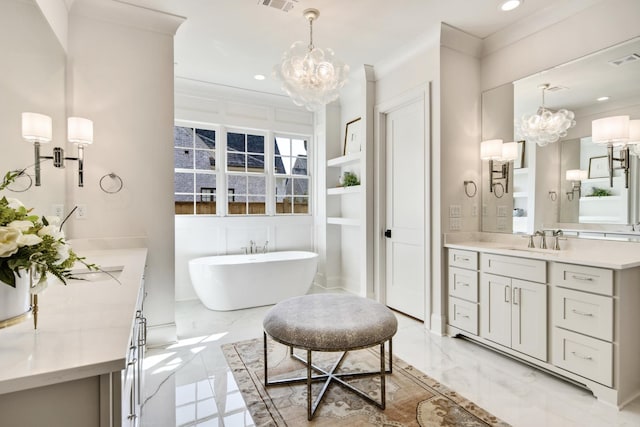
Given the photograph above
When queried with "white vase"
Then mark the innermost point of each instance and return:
(15, 303)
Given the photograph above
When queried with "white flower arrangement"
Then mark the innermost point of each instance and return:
(29, 243)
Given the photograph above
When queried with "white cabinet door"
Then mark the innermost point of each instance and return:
(495, 308)
(529, 318)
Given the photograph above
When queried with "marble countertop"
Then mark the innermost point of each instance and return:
(83, 328)
(594, 253)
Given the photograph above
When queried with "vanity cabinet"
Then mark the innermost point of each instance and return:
(583, 321)
(513, 312)
(463, 290)
(578, 319)
(132, 375)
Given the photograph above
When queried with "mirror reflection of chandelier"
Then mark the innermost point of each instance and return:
(546, 126)
(311, 76)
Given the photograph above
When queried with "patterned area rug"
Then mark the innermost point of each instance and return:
(413, 398)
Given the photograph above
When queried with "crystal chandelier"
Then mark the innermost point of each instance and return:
(546, 126)
(311, 76)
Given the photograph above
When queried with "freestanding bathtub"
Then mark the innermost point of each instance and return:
(231, 282)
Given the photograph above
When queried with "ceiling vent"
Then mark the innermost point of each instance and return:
(556, 88)
(283, 5)
(625, 60)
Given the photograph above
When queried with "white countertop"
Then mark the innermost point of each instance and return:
(83, 328)
(594, 253)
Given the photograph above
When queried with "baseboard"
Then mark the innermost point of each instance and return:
(438, 323)
(161, 335)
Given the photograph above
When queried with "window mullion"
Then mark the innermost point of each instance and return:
(221, 198)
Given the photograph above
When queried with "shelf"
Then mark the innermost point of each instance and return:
(521, 171)
(343, 221)
(343, 190)
(344, 160)
(595, 199)
(520, 194)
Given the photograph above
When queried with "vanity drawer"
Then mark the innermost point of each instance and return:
(463, 259)
(533, 270)
(463, 284)
(582, 312)
(582, 278)
(585, 356)
(463, 315)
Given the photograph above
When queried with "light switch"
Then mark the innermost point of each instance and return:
(502, 211)
(474, 210)
(455, 224)
(455, 211)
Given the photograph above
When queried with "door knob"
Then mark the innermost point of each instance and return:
(387, 233)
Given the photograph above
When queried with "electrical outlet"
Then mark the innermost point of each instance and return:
(81, 212)
(58, 210)
(484, 210)
(455, 211)
(474, 210)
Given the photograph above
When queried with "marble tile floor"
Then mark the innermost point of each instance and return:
(189, 383)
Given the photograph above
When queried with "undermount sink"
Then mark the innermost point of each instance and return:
(105, 273)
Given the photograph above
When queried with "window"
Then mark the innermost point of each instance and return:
(292, 176)
(194, 159)
(259, 178)
(246, 174)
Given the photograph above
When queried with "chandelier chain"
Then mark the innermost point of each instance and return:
(310, 34)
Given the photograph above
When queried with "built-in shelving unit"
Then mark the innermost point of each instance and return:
(343, 221)
(521, 199)
(613, 209)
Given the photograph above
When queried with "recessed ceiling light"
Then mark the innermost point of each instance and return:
(259, 77)
(510, 5)
(603, 98)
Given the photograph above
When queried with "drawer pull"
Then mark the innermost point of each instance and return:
(507, 292)
(578, 355)
(462, 258)
(582, 313)
(583, 278)
(462, 315)
(462, 284)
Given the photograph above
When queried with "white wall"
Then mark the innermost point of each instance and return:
(121, 76)
(420, 72)
(205, 235)
(605, 24)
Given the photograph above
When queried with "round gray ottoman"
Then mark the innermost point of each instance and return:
(330, 323)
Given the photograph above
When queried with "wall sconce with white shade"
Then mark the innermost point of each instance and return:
(37, 128)
(615, 132)
(495, 150)
(576, 176)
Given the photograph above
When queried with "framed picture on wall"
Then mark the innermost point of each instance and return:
(352, 136)
(518, 163)
(599, 167)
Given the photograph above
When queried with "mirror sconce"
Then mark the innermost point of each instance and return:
(576, 176)
(494, 150)
(37, 128)
(617, 131)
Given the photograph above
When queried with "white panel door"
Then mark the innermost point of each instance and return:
(529, 318)
(495, 308)
(405, 258)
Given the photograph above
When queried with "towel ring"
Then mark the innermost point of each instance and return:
(553, 196)
(497, 193)
(466, 188)
(116, 179)
(19, 178)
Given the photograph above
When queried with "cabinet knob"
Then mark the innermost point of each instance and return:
(387, 233)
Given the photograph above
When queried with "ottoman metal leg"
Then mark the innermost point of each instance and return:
(331, 375)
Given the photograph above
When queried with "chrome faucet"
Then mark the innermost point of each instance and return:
(543, 238)
(264, 247)
(556, 239)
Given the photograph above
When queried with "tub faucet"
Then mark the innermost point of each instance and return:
(252, 246)
(264, 248)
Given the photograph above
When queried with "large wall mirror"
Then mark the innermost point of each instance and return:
(547, 189)
(32, 79)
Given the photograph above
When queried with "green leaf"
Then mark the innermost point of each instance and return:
(7, 277)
